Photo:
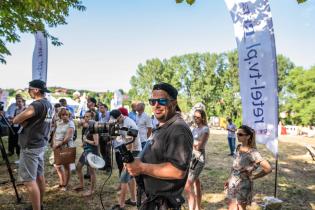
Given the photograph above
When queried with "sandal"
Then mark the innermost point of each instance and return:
(88, 193)
(78, 188)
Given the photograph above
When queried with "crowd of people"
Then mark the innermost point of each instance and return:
(169, 156)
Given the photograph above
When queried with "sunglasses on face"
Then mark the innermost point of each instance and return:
(160, 101)
(241, 134)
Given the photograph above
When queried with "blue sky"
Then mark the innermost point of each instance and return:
(104, 45)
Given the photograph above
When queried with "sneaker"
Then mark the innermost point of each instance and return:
(17, 162)
(130, 202)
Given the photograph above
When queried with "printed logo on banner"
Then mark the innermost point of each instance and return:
(257, 68)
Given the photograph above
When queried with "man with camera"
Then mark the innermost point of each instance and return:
(165, 160)
(135, 148)
(36, 121)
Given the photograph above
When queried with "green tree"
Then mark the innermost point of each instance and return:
(209, 78)
(300, 97)
(31, 16)
(231, 101)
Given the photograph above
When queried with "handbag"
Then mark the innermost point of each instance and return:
(65, 155)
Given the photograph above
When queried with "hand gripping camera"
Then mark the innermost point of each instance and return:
(125, 153)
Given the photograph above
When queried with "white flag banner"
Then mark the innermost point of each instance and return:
(40, 57)
(257, 68)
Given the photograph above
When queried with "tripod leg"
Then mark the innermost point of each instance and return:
(12, 179)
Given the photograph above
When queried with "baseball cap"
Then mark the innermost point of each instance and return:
(39, 84)
(115, 113)
(123, 111)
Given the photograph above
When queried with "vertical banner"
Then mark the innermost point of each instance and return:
(117, 100)
(40, 57)
(257, 68)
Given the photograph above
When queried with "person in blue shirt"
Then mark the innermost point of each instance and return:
(133, 113)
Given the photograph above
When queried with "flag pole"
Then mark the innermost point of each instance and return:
(276, 177)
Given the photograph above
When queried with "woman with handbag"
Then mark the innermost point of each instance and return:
(63, 138)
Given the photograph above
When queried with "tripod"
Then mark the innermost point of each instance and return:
(5, 158)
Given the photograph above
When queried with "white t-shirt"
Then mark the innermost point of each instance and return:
(143, 122)
(61, 131)
(129, 123)
(230, 133)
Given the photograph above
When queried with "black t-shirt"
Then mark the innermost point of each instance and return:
(172, 142)
(35, 132)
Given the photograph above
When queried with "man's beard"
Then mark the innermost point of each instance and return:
(166, 117)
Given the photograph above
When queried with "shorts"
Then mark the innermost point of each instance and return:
(196, 168)
(31, 164)
(125, 177)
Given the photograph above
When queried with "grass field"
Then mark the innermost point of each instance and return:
(296, 180)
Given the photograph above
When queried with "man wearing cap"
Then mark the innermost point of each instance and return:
(166, 157)
(135, 149)
(36, 121)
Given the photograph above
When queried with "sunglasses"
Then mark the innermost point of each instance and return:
(241, 134)
(160, 101)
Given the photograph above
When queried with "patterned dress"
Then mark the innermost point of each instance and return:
(240, 187)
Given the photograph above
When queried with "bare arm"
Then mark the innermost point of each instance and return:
(95, 140)
(23, 116)
(68, 135)
(202, 142)
(161, 171)
(266, 169)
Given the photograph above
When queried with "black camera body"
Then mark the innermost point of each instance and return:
(108, 128)
(126, 155)
(111, 129)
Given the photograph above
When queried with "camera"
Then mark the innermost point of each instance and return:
(109, 128)
(130, 131)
